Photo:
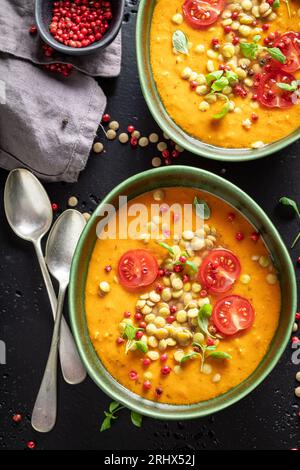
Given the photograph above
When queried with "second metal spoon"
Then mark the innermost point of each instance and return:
(60, 248)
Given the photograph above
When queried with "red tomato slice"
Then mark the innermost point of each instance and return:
(200, 14)
(137, 268)
(219, 270)
(269, 94)
(289, 44)
(232, 314)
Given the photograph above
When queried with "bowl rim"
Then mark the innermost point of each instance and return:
(73, 51)
(182, 138)
(140, 407)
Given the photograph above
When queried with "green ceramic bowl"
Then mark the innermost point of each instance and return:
(189, 177)
(161, 116)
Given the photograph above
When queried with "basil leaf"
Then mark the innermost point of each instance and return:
(188, 356)
(219, 84)
(256, 38)
(288, 87)
(211, 77)
(141, 346)
(203, 319)
(276, 54)
(291, 203)
(191, 265)
(106, 424)
(130, 331)
(167, 247)
(180, 42)
(136, 419)
(206, 209)
(220, 355)
(249, 49)
(113, 406)
(206, 310)
(276, 4)
(231, 76)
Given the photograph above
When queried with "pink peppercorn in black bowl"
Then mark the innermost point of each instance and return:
(44, 16)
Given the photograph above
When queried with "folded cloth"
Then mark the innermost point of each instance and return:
(47, 122)
(16, 17)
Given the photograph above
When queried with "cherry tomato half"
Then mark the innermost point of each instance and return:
(200, 14)
(137, 268)
(219, 270)
(232, 314)
(269, 94)
(289, 44)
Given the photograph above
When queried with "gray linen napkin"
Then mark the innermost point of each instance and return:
(47, 122)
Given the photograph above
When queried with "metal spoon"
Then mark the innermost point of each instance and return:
(60, 248)
(29, 213)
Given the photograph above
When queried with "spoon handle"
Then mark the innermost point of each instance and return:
(45, 408)
(71, 365)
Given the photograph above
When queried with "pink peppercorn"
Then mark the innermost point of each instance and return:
(130, 129)
(165, 370)
(17, 418)
(239, 236)
(139, 334)
(31, 445)
(147, 385)
(170, 319)
(108, 268)
(163, 357)
(127, 314)
(173, 309)
(133, 375)
(138, 316)
(159, 288)
(177, 268)
(254, 237)
(146, 362)
(120, 340)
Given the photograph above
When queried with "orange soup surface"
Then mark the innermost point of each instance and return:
(222, 82)
(205, 322)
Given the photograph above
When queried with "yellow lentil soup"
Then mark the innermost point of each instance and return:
(233, 82)
(203, 322)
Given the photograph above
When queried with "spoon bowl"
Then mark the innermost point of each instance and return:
(27, 205)
(29, 214)
(62, 242)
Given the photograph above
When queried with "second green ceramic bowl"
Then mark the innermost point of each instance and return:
(190, 177)
(161, 116)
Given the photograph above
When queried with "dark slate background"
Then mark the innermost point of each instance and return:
(267, 419)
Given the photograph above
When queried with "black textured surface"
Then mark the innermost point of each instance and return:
(267, 419)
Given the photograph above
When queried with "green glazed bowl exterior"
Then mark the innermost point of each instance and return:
(165, 122)
(190, 177)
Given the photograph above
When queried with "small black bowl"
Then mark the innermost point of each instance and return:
(43, 15)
